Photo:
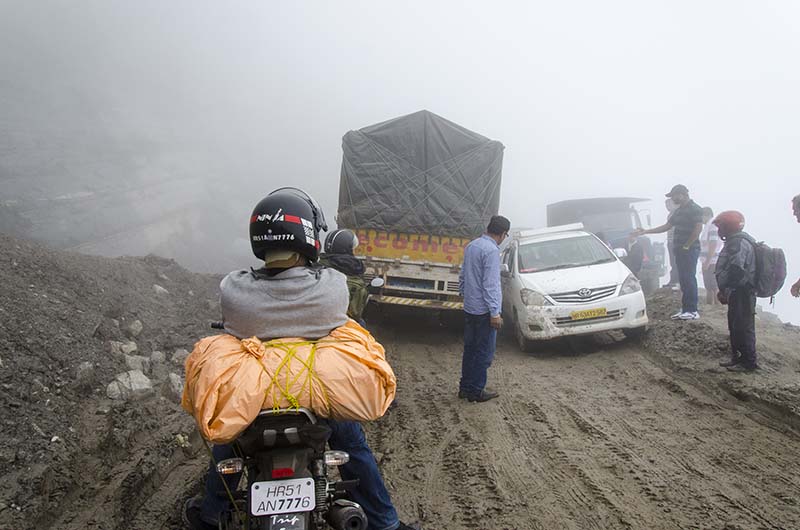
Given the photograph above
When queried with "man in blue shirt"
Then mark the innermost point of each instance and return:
(479, 284)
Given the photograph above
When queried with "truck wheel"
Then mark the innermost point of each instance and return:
(635, 333)
(523, 343)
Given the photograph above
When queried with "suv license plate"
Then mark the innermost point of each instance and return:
(589, 313)
(282, 497)
(288, 521)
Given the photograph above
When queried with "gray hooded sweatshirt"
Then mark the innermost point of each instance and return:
(307, 302)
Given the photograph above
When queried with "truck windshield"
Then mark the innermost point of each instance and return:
(563, 254)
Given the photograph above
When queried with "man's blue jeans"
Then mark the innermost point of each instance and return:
(479, 345)
(347, 436)
(686, 260)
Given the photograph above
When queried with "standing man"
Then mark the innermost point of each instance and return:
(687, 220)
(479, 284)
(796, 211)
(710, 247)
(736, 276)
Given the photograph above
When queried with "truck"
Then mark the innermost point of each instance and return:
(416, 190)
(613, 219)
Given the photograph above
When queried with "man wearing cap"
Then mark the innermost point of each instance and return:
(687, 220)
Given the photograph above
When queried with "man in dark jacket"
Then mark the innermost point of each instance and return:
(736, 276)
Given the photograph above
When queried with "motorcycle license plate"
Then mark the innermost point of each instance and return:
(282, 497)
(288, 521)
(589, 313)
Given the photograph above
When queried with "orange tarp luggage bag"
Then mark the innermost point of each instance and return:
(343, 376)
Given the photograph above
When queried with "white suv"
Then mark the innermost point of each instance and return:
(564, 281)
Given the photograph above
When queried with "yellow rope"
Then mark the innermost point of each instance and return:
(290, 350)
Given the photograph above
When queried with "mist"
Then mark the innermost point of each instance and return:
(139, 127)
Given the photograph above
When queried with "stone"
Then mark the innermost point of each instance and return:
(138, 362)
(129, 347)
(84, 370)
(132, 384)
(159, 290)
(158, 357)
(174, 388)
(135, 328)
(179, 357)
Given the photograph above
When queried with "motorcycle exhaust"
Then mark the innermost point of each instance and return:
(347, 515)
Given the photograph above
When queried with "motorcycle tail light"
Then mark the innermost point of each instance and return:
(282, 472)
(336, 458)
(230, 466)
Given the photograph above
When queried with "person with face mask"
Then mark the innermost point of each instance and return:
(687, 221)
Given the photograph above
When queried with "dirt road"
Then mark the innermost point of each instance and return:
(607, 439)
(621, 435)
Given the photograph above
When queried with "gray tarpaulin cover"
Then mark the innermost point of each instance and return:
(419, 174)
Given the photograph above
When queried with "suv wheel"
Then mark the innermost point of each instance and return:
(523, 343)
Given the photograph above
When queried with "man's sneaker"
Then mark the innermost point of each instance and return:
(191, 515)
(732, 362)
(676, 287)
(744, 368)
(485, 395)
(689, 315)
(676, 316)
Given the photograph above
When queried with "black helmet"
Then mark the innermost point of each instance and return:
(342, 241)
(287, 219)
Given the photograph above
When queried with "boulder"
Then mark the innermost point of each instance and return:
(134, 328)
(159, 290)
(174, 388)
(132, 384)
(158, 357)
(138, 362)
(179, 357)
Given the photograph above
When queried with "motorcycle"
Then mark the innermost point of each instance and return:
(285, 482)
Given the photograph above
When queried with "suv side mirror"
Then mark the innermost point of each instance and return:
(504, 272)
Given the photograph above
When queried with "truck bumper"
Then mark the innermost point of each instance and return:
(417, 302)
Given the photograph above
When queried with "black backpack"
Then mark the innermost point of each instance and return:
(770, 269)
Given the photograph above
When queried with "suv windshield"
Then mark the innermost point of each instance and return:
(563, 254)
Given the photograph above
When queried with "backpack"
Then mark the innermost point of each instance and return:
(770, 269)
(359, 296)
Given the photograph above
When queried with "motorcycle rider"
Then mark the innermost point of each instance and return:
(292, 296)
(339, 247)
(736, 275)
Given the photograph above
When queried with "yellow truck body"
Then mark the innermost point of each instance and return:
(411, 247)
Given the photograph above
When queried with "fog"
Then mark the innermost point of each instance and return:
(149, 126)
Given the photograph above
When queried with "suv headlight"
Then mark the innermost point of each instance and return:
(630, 285)
(534, 298)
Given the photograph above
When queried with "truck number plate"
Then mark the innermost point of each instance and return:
(589, 313)
(282, 496)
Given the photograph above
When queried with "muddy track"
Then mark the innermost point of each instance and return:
(611, 439)
(615, 438)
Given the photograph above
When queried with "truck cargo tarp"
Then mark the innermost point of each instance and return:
(419, 174)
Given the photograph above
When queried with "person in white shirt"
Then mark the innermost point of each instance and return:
(710, 247)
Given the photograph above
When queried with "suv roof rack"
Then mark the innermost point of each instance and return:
(522, 234)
